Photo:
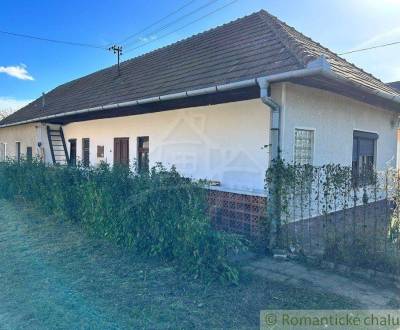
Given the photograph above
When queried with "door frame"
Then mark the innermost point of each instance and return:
(118, 157)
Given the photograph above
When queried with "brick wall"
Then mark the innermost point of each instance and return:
(238, 213)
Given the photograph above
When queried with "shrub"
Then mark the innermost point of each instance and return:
(160, 213)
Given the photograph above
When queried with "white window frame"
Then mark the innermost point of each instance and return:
(313, 129)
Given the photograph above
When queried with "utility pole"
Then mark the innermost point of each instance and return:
(116, 50)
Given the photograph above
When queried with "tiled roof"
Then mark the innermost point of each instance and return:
(253, 46)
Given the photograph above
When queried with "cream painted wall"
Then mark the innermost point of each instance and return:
(29, 135)
(334, 118)
(225, 142)
(221, 142)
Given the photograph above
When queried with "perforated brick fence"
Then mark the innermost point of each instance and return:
(238, 213)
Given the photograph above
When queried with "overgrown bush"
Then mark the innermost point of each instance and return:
(159, 213)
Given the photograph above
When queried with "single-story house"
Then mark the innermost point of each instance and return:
(218, 105)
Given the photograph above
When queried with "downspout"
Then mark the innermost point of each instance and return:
(274, 195)
(275, 120)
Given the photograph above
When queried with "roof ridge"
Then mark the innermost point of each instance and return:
(276, 25)
(300, 49)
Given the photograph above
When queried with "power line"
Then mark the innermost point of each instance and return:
(369, 48)
(71, 43)
(158, 21)
(178, 20)
(184, 26)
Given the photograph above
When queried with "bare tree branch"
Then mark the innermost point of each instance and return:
(6, 112)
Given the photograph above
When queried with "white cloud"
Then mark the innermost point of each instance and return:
(11, 104)
(18, 71)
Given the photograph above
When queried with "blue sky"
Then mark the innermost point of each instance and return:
(29, 67)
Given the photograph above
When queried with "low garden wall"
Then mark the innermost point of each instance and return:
(239, 213)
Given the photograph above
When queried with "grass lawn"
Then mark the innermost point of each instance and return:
(53, 275)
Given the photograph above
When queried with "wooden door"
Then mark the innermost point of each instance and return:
(72, 152)
(121, 151)
(18, 147)
(86, 152)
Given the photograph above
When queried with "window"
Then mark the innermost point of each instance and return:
(85, 152)
(3, 152)
(100, 151)
(72, 152)
(364, 153)
(18, 151)
(143, 153)
(29, 154)
(121, 151)
(303, 146)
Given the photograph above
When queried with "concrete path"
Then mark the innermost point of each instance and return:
(369, 295)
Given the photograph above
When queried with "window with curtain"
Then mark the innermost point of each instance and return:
(143, 153)
(364, 153)
(303, 146)
(29, 154)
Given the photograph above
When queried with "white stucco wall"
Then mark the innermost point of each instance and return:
(28, 135)
(334, 118)
(221, 142)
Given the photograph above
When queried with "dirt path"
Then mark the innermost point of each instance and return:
(369, 295)
(53, 276)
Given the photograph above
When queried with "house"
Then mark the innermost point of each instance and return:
(218, 105)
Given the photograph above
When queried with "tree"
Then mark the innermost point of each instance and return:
(5, 113)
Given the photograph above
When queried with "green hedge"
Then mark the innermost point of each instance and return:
(159, 214)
